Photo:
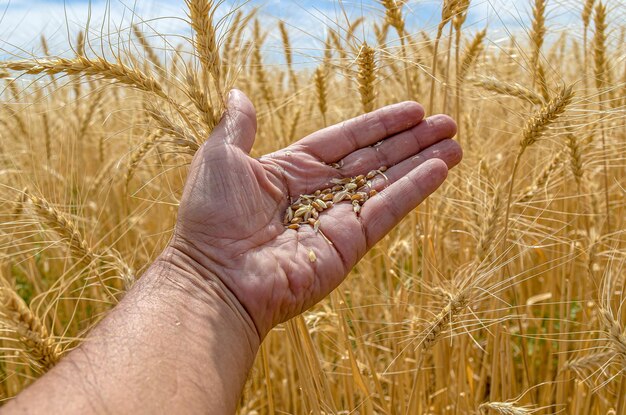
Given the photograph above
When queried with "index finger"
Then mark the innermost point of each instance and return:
(334, 143)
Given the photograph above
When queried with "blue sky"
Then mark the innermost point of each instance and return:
(23, 21)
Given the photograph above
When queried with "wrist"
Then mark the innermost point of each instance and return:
(192, 281)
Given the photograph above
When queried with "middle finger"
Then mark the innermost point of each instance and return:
(399, 147)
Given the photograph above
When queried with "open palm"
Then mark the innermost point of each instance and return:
(231, 215)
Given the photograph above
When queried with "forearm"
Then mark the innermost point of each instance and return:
(177, 343)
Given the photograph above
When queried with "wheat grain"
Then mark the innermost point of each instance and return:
(306, 208)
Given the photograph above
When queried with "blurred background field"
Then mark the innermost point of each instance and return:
(503, 294)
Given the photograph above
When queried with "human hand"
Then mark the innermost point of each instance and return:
(230, 220)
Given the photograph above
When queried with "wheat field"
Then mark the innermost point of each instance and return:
(504, 293)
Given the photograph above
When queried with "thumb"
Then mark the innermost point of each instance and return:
(238, 125)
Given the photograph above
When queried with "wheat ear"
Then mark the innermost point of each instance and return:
(537, 125)
(139, 154)
(576, 157)
(393, 15)
(471, 54)
(151, 54)
(447, 13)
(599, 47)
(542, 179)
(602, 75)
(456, 304)
(366, 77)
(617, 336)
(321, 90)
(42, 351)
(98, 67)
(257, 62)
(201, 102)
(504, 408)
(504, 88)
(284, 34)
(201, 13)
(534, 129)
(537, 34)
(67, 230)
(489, 227)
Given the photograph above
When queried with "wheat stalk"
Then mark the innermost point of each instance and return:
(448, 11)
(47, 136)
(294, 125)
